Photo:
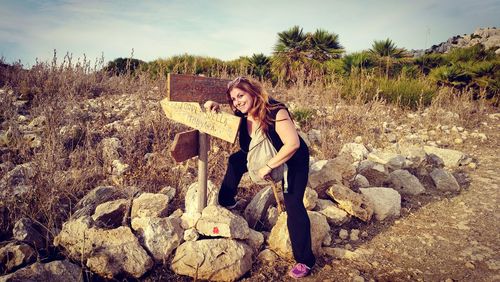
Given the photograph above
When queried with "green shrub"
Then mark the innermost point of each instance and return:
(455, 75)
(429, 61)
(475, 53)
(407, 92)
(303, 115)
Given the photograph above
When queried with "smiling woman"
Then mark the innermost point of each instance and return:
(262, 114)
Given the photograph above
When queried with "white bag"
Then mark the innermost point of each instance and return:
(261, 150)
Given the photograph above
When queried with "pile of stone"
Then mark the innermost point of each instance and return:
(115, 232)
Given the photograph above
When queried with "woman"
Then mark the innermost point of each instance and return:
(250, 101)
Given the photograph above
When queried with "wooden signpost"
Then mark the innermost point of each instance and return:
(184, 93)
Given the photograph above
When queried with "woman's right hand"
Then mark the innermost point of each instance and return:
(212, 106)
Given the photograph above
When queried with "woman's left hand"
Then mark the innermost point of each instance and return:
(265, 172)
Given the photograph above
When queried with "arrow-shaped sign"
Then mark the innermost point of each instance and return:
(221, 125)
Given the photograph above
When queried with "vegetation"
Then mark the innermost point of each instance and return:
(342, 95)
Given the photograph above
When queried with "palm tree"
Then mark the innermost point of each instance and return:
(388, 51)
(296, 52)
(289, 53)
(259, 65)
(324, 45)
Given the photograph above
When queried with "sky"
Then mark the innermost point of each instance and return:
(30, 30)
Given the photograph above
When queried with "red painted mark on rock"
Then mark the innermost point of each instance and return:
(216, 230)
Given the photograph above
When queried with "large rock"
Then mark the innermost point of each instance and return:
(415, 154)
(255, 211)
(310, 198)
(279, 239)
(219, 221)
(160, 236)
(28, 231)
(255, 240)
(386, 201)
(334, 215)
(106, 252)
(353, 203)
(111, 214)
(451, 158)
(327, 172)
(55, 271)
(15, 255)
(405, 183)
(150, 205)
(110, 149)
(357, 151)
(86, 206)
(191, 198)
(18, 181)
(444, 180)
(376, 173)
(391, 160)
(213, 259)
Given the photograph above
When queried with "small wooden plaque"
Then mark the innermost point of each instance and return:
(185, 145)
(191, 88)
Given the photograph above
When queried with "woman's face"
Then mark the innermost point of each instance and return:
(242, 101)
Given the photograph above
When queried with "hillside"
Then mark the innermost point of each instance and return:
(89, 191)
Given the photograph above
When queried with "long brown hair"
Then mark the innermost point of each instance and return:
(261, 107)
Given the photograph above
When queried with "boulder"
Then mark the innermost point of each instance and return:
(310, 198)
(17, 181)
(357, 151)
(71, 136)
(217, 221)
(360, 181)
(314, 136)
(55, 271)
(386, 201)
(267, 256)
(279, 239)
(376, 173)
(415, 154)
(255, 240)
(271, 217)
(150, 205)
(255, 211)
(28, 231)
(169, 191)
(110, 149)
(444, 180)
(334, 215)
(15, 255)
(353, 203)
(191, 198)
(451, 158)
(391, 160)
(111, 214)
(86, 206)
(327, 172)
(106, 252)
(405, 183)
(191, 234)
(160, 236)
(189, 220)
(213, 259)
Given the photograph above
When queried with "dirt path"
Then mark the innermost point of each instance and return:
(451, 238)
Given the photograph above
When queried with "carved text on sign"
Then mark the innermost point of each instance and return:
(221, 125)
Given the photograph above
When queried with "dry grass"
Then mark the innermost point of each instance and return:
(78, 95)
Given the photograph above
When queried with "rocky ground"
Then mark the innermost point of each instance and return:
(451, 237)
(118, 230)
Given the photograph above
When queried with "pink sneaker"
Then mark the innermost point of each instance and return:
(299, 270)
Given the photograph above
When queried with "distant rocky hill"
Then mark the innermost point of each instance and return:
(489, 37)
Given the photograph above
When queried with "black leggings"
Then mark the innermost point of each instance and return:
(299, 226)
